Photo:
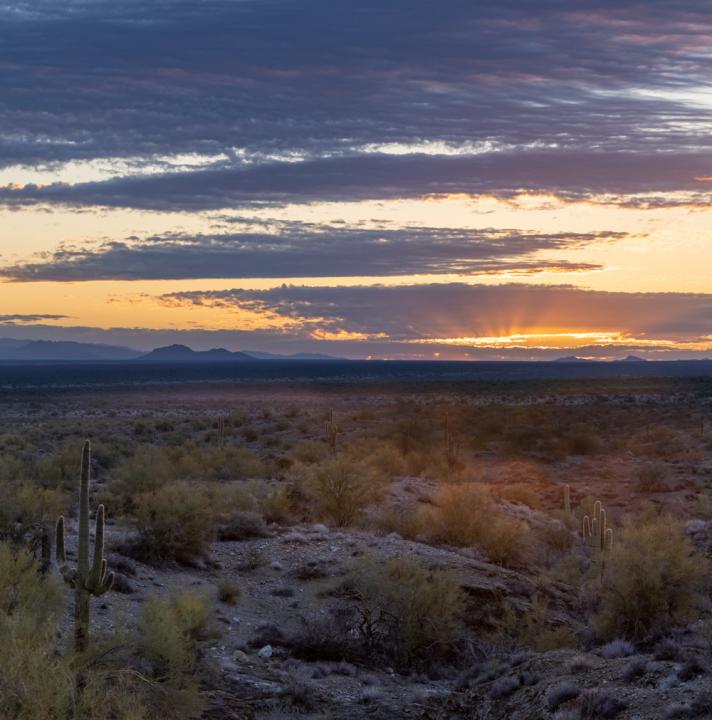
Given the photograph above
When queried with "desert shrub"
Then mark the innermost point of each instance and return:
(243, 526)
(659, 441)
(617, 649)
(595, 704)
(309, 452)
(145, 471)
(381, 456)
(253, 559)
(636, 668)
(277, 504)
(556, 536)
(339, 490)
(651, 477)
(228, 592)
(175, 524)
(560, 693)
(405, 610)
(36, 683)
(151, 467)
(519, 493)
(534, 630)
(249, 433)
(117, 693)
(654, 580)
(407, 522)
(582, 439)
(168, 635)
(465, 515)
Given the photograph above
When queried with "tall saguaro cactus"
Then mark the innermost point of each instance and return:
(598, 535)
(87, 578)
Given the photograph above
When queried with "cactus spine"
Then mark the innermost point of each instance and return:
(598, 535)
(87, 578)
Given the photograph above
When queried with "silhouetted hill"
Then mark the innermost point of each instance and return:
(184, 354)
(60, 351)
(572, 358)
(294, 356)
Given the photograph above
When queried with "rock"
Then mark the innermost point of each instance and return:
(241, 657)
(283, 592)
(319, 528)
(267, 635)
(265, 652)
(122, 584)
(276, 565)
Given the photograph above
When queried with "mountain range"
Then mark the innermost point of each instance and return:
(12, 350)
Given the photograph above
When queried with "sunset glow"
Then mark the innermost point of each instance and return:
(574, 176)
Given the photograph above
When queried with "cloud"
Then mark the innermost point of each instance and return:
(312, 99)
(481, 316)
(570, 174)
(292, 249)
(29, 319)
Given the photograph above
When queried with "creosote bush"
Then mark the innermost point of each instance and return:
(405, 610)
(465, 515)
(339, 490)
(654, 580)
(175, 524)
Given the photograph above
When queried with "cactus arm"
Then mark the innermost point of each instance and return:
(60, 552)
(99, 565)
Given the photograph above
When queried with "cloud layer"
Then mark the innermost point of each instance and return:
(319, 99)
(480, 316)
(307, 250)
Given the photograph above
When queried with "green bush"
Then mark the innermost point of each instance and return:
(175, 524)
(465, 515)
(651, 477)
(339, 490)
(36, 683)
(405, 610)
(653, 580)
(169, 632)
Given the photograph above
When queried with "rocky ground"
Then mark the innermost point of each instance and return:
(284, 582)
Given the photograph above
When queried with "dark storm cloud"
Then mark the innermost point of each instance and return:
(557, 84)
(306, 250)
(418, 312)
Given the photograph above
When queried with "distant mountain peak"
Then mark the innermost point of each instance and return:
(182, 353)
(633, 358)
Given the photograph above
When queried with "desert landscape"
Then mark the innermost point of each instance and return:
(355, 360)
(362, 551)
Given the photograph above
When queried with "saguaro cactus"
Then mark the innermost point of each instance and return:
(598, 535)
(87, 578)
(332, 433)
(567, 500)
(450, 445)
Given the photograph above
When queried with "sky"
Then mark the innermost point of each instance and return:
(490, 179)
